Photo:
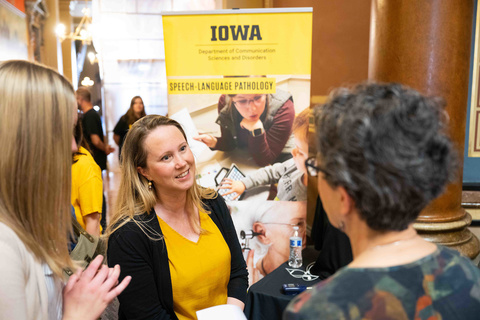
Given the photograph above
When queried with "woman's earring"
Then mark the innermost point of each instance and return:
(150, 185)
(341, 226)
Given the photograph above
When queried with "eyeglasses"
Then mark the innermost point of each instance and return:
(257, 100)
(301, 225)
(312, 166)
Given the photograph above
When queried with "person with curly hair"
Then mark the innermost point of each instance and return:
(383, 155)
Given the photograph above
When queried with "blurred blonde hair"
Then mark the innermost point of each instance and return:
(301, 123)
(37, 109)
(134, 198)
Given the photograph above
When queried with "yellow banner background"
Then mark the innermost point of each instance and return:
(284, 48)
(222, 86)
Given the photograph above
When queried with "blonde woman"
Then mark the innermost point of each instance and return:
(37, 112)
(176, 239)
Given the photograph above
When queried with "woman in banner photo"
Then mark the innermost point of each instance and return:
(135, 112)
(383, 155)
(38, 113)
(291, 175)
(260, 123)
(175, 238)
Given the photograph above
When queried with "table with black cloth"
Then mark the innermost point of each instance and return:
(265, 299)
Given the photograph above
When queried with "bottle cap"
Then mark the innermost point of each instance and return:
(295, 228)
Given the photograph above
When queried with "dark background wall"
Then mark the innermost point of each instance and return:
(341, 31)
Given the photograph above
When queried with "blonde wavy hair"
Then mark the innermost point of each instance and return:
(134, 198)
(37, 110)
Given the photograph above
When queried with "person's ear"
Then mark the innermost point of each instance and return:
(144, 172)
(346, 202)
(259, 228)
(294, 152)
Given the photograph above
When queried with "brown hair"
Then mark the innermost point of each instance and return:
(80, 141)
(130, 115)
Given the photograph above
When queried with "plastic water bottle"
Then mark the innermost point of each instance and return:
(295, 260)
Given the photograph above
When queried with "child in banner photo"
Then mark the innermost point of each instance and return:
(260, 123)
(291, 175)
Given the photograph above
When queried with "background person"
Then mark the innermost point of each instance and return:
(37, 112)
(259, 123)
(291, 175)
(92, 128)
(135, 112)
(176, 239)
(93, 133)
(87, 186)
(383, 155)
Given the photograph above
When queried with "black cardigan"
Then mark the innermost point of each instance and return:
(149, 294)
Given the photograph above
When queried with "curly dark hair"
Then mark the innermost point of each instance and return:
(387, 145)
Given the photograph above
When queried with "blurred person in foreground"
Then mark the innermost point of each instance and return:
(37, 108)
(175, 238)
(383, 155)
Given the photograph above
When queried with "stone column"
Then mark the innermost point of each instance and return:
(66, 20)
(426, 45)
(51, 52)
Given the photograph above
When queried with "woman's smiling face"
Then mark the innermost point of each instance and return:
(170, 162)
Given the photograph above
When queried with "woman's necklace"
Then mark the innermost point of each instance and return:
(391, 244)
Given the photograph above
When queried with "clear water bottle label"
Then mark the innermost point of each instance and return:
(295, 242)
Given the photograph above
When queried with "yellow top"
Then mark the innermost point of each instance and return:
(200, 271)
(87, 186)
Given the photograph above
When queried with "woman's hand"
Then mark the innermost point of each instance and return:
(234, 186)
(88, 293)
(253, 273)
(251, 125)
(208, 139)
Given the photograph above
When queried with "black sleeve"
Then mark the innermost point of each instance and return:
(92, 125)
(238, 284)
(129, 247)
(121, 127)
(333, 244)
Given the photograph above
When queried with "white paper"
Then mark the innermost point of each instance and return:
(221, 312)
(198, 148)
(206, 173)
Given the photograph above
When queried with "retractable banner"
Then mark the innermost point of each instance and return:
(239, 83)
